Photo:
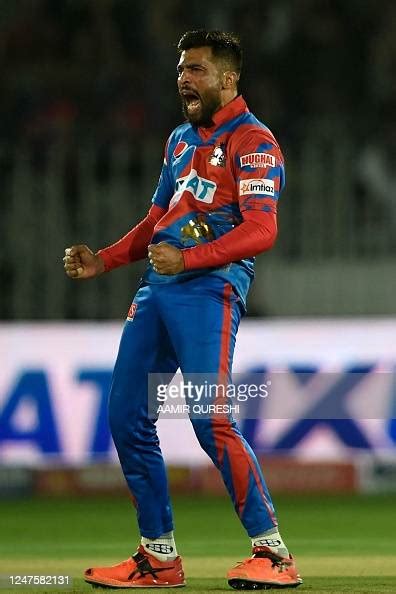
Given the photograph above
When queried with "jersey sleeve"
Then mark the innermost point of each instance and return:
(133, 246)
(256, 234)
(259, 171)
(165, 187)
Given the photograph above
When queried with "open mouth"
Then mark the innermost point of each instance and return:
(192, 101)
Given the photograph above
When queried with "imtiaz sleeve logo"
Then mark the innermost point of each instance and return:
(257, 160)
(265, 187)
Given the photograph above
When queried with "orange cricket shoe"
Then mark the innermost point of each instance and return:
(142, 570)
(263, 571)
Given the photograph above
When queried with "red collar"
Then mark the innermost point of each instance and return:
(225, 114)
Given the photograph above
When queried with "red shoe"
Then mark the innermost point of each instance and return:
(264, 570)
(142, 570)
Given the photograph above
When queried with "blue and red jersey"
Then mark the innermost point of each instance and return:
(216, 200)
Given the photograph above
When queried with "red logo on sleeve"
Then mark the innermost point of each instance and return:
(257, 160)
(132, 311)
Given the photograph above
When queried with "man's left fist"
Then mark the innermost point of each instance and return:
(166, 258)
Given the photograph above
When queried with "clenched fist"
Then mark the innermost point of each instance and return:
(81, 263)
(166, 258)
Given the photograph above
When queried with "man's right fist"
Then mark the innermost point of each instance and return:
(80, 262)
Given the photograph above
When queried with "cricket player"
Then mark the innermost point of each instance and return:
(213, 211)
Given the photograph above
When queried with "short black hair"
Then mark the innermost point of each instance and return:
(226, 46)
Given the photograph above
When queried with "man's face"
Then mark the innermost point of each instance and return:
(199, 83)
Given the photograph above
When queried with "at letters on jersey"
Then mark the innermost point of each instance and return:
(202, 189)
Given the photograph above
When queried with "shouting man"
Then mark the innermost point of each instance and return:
(213, 211)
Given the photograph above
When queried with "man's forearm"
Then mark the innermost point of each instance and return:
(133, 246)
(256, 234)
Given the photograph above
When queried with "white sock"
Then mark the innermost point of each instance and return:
(162, 548)
(273, 540)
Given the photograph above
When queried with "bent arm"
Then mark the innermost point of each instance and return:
(256, 234)
(133, 246)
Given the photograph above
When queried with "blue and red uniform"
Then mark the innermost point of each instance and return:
(216, 201)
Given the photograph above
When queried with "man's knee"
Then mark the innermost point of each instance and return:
(131, 428)
(212, 431)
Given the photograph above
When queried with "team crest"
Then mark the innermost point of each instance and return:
(218, 158)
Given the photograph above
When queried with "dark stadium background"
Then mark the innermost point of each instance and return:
(87, 100)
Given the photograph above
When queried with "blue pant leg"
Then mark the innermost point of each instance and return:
(202, 323)
(144, 348)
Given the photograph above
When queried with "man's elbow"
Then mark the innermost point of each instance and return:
(268, 239)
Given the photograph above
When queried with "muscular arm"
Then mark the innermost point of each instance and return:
(256, 234)
(133, 246)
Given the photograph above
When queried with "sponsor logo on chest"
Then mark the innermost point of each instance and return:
(265, 187)
(180, 148)
(201, 188)
(257, 160)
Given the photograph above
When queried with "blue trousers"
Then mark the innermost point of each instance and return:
(191, 325)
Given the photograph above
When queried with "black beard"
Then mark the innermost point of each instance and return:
(208, 107)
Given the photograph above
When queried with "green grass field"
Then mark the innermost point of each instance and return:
(342, 544)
